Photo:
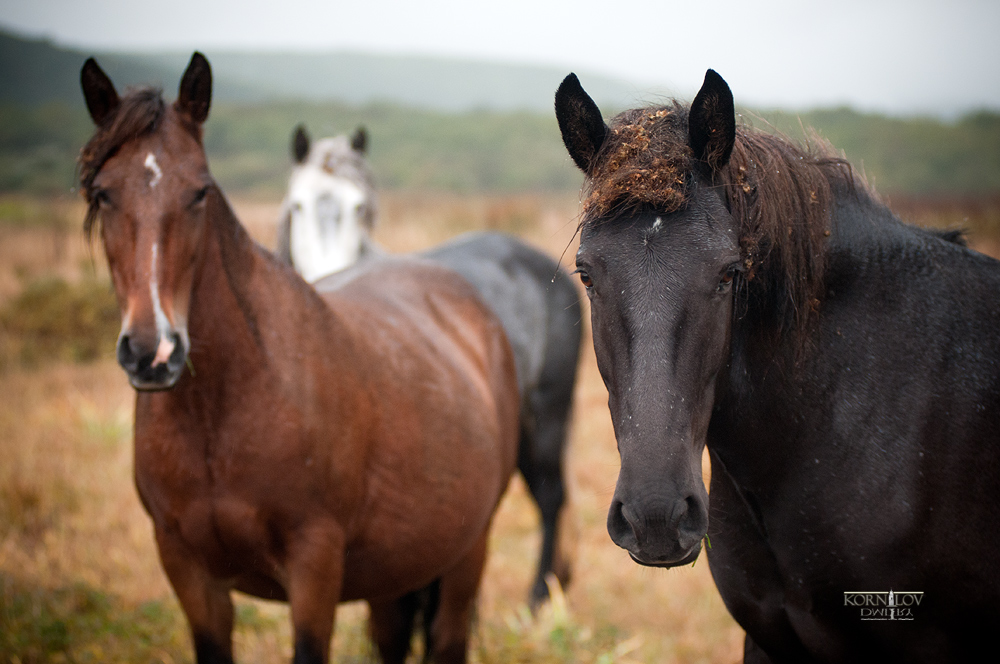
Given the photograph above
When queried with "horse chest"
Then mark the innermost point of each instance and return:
(235, 496)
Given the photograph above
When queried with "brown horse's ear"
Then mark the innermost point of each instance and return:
(99, 91)
(583, 129)
(300, 144)
(359, 142)
(712, 122)
(195, 93)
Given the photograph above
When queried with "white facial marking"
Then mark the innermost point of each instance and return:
(153, 168)
(166, 345)
(326, 233)
(657, 224)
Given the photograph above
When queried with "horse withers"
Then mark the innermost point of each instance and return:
(294, 445)
(328, 216)
(843, 369)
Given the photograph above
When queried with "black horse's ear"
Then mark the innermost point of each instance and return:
(99, 91)
(195, 93)
(359, 141)
(712, 122)
(300, 144)
(583, 129)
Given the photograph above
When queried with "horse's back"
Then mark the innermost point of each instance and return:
(443, 404)
(405, 303)
(534, 299)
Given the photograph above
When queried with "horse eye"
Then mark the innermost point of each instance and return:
(727, 278)
(585, 279)
(199, 196)
(101, 198)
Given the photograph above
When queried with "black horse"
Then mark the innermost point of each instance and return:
(842, 367)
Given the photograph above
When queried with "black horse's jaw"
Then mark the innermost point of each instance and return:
(686, 560)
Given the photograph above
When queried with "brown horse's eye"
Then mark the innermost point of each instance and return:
(199, 196)
(585, 279)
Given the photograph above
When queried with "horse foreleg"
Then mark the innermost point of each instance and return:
(456, 601)
(205, 601)
(315, 571)
(391, 626)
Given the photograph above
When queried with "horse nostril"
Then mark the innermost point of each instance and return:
(624, 527)
(692, 519)
(125, 354)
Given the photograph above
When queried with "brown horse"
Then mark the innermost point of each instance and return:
(293, 445)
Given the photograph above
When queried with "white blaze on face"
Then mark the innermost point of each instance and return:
(326, 233)
(153, 168)
(166, 346)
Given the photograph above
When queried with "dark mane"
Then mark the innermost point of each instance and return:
(782, 195)
(139, 113)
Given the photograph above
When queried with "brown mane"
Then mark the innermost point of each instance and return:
(782, 194)
(139, 113)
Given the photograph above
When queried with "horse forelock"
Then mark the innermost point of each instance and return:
(644, 160)
(336, 157)
(780, 193)
(139, 113)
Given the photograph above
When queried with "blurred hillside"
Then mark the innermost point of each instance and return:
(456, 137)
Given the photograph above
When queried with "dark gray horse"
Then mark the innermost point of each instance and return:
(327, 219)
(842, 367)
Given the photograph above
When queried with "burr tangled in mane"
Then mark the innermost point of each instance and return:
(643, 161)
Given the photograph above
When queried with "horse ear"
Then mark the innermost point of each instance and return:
(195, 93)
(712, 122)
(99, 91)
(359, 142)
(583, 129)
(300, 144)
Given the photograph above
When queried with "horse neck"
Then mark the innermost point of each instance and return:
(247, 306)
(763, 395)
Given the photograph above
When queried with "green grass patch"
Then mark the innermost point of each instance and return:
(55, 320)
(78, 623)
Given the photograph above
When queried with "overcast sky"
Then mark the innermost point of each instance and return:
(895, 56)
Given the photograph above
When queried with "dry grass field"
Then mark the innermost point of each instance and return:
(79, 576)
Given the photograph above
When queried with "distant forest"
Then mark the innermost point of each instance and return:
(43, 124)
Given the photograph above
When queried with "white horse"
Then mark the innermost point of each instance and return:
(326, 226)
(330, 209)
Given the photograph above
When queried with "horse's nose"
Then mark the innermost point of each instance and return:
(151, 364)
(658, 532)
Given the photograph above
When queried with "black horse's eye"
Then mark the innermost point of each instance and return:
(726, 282)
(584, 278)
